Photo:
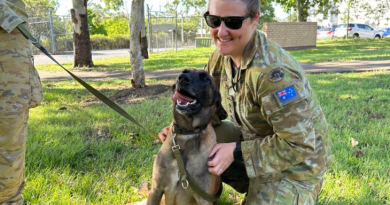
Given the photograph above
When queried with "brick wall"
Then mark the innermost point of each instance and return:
(292, 35)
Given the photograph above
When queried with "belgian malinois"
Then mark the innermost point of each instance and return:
(196, 102)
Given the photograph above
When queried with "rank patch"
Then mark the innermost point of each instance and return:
(286, 95)
(275, 75)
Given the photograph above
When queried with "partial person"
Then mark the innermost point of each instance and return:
(20, 90)
(275, 148)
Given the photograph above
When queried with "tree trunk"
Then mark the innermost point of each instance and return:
(135, 44)
(144, 38)
(300, 11)
(81, 40)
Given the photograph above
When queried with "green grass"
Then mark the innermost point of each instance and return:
(345, 50)
(326, 50)
(167, 60)
(87, 154)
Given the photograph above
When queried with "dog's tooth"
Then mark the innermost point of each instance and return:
(187, 103)
(178, 101)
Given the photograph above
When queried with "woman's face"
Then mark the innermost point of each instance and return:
(229, 41)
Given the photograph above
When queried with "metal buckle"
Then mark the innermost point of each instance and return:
(175, 146)
(184, 184)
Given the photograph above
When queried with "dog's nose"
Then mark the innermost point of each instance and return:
(184, 79)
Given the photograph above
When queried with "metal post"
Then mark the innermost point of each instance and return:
(176, 29)
(201, 27)
(346, 36)
(53, 45)
(149, 34)
(182, 30)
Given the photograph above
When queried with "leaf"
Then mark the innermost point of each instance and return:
(354, 142)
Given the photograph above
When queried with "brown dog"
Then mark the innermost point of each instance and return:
(196, 102)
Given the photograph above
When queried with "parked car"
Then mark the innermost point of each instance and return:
(386, 32)
(356, 30)
(323, 33)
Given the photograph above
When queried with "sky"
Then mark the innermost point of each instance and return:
(66, 5)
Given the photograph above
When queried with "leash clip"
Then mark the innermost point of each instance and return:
(184, 184)
(175, 146)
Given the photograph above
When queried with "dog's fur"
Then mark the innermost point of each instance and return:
(195, 148)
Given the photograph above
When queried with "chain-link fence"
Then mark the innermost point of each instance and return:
(165, 31)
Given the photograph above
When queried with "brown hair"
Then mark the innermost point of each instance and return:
(252, 6)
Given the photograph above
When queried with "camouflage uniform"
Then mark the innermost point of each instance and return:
(285, 145)
(20, 89)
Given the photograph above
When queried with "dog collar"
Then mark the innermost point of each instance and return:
(178, 130)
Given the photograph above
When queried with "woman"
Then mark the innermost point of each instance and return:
(275, 148)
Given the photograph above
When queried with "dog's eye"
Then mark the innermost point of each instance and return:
(203, 76)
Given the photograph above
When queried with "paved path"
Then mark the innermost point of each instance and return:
(350, 66)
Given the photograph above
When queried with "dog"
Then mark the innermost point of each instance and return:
(196, 102)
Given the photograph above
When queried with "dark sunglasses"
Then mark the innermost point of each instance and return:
(232, 22)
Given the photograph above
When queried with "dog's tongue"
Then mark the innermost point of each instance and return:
(184, 99)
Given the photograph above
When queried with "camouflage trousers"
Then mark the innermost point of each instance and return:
(12, 158)
(20, 90)
(261, 191)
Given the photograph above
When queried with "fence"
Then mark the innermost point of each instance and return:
(165, 31)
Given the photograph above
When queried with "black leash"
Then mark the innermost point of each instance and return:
(95, 92)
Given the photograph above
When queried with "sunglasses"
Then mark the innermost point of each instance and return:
(232, 22)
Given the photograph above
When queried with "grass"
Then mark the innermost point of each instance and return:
(326, 50)
(167, 60)
(80, 152)
(345, 50)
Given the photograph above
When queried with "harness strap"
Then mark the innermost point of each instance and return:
(179, 130)
(92, 90)
(186, 180)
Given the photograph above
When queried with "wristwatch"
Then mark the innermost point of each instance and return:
(237, 153)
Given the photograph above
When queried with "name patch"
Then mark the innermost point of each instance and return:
(286, 95)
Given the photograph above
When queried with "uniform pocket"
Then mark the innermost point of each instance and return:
(36, 87)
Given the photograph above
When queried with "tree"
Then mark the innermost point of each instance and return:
(302, 6)
(267, 13)
(115, 5)
(81, 40)
(138, 80)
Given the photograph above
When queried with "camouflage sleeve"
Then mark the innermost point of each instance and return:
(9, 20)
(292, 123)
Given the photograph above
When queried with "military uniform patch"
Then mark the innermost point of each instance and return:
(286, 95)
(275, 75)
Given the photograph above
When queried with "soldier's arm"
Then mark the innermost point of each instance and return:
(292, 122)
(9, 20)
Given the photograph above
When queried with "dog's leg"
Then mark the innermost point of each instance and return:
(154, 197)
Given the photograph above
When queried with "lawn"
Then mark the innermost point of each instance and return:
(81, 152)
(326, 50)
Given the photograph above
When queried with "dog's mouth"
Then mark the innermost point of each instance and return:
(185, 101)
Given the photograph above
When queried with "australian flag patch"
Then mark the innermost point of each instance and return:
(287, 95)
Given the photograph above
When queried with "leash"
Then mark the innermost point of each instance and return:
(92, 90)
(185, 178)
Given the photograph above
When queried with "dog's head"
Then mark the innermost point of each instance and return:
(196, 99)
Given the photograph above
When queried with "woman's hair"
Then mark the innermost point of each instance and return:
(252, 6)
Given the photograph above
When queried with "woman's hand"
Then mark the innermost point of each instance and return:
(223, 158)
(163, 134)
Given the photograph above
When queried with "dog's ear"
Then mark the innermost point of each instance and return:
(220, 112)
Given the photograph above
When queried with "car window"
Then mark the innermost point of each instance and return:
(368, 27)
(324, 29)
(361, 26)
(351, 25)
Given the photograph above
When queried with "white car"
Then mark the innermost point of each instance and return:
(356, 30)
(323, 33)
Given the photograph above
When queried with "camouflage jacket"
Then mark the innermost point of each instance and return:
(20, 85)
(284, 129)
(12, 13)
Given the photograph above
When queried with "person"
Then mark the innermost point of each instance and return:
(20, 89)
(275, 147)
